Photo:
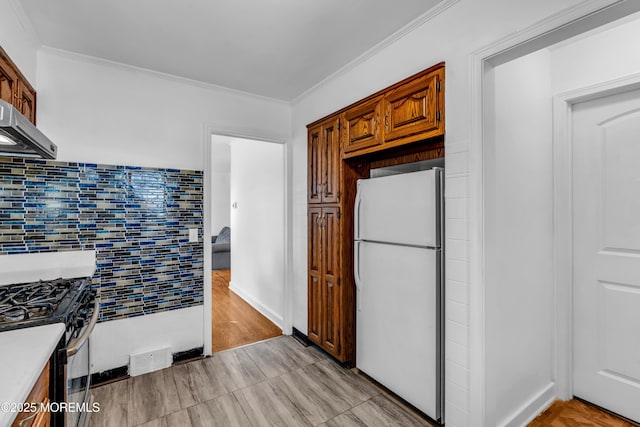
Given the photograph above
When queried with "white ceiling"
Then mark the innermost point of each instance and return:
(274, 48)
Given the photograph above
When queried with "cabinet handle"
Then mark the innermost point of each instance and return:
(25, 421)
(319, 188)
(324, 187)
(386, 121)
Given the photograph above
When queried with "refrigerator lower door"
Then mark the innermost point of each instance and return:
(400, 209)
(397, 340)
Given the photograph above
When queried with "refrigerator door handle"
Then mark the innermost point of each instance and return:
(356, 214)
(356, 273)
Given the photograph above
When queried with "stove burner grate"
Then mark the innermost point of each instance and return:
(32, 300)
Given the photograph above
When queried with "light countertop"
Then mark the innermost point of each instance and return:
(24, 354)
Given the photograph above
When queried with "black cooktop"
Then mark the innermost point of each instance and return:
(38, 303)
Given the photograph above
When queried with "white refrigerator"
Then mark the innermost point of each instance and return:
(398, 269)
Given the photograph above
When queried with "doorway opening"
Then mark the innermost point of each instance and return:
(247, 217)
(528, 324)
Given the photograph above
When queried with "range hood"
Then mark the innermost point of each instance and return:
(20, 138)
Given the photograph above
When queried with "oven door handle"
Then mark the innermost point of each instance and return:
(76, 344)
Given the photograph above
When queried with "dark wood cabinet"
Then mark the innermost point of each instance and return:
(15, 89)
(381, 130)
(412, 111)
(331, 297)
(409, 111)
(26, 101)
(315, 275)
(324, 162)
(39, 397)
(361, 126)
(8, 81)
(324, 287)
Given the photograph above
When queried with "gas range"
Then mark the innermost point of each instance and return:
(69, 301)
(32, 293)
(45, 301)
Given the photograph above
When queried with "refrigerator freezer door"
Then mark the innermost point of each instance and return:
(397, 339)
(399, 209)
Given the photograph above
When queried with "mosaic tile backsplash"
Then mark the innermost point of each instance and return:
(137, 219)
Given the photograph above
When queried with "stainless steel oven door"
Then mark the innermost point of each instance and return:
(78, 373)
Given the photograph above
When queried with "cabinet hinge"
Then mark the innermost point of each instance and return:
(339, 194)
(438, 115)
(339, 215)
(338, 125)
(339, 346)
(338, 282)
(438, 86)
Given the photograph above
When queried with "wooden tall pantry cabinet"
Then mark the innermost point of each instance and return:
(328, 320)
(400, 124)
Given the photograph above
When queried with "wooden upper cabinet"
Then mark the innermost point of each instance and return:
(15, 89)
(361, 126)
(409, 111)
(324, 162)
(8, 81)
(412, 111)
(26, 101)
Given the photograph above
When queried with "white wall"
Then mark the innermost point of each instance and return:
(257, 225)
(220, 183)
(112, 342)
(519, 280)
(451, 37)
(98, 111)
(597, 57)
(519, 298)
(18, 39)
(102, 112)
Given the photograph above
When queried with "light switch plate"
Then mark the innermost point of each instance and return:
(193, 235)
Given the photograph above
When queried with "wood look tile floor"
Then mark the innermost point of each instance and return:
(277, 382)
(235, 322)
(575, 413)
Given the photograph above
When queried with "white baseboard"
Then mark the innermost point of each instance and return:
(532, 408)
(114, 341)
(266, 312)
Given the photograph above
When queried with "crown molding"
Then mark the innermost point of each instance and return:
(157, 74)
(411, 26)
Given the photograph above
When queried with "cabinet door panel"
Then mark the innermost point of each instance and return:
(330, 184)
(315, 276)
(362, 126)
(331, 286)
(331, 321)
(315, 309)
(27, 102)
(331, 241)
(314, 165)
(8, 82)
(413, 109)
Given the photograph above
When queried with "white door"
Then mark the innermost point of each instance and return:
(399, 209)
(397, 320)
(606, 245)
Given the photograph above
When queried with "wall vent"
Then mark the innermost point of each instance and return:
(149, 361)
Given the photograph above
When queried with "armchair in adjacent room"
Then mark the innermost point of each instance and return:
(221, 250)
